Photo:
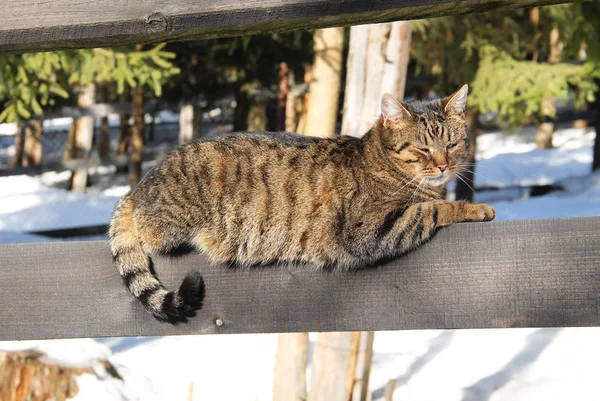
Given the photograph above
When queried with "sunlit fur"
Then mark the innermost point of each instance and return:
(261, 198)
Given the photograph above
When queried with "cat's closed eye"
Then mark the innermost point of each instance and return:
(425, 151)
(451, 145)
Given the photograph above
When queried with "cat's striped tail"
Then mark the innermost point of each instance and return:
(134, 266)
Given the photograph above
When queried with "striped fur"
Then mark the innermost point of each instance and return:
(259, 198)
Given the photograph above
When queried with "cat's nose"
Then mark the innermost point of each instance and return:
(442, 167)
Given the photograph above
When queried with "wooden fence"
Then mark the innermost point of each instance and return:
(543, 273)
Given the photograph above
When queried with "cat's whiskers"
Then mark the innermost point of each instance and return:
(461, 169)
(464, 181)
(416, 190)
(470, 164)
(404, 186)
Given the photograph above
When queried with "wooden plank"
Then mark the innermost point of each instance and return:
(29, 25)
(540, 273)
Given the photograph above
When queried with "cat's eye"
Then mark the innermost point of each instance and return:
(423, 150)
(451, 145)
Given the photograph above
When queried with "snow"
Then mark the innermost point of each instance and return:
(513, 160)
(27, 204)
(465, 365)
(461, 365)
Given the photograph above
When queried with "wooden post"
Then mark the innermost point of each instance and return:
(325, 86)
(137, 136)
(83, 137)
(334, 366)
(362, 375)
(289, 382)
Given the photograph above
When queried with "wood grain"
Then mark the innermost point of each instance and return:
(541, 273)
(30, 25)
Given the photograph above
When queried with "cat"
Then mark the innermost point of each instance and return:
(261, 198)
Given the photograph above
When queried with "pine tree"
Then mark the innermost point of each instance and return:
(504, 57)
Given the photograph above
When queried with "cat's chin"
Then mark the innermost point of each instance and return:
(439, 180)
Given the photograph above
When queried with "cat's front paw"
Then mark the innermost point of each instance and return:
(484, 212)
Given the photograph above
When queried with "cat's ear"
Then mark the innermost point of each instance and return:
(393, 110)
(457, 103)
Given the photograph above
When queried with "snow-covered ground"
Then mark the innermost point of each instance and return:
(466, 365)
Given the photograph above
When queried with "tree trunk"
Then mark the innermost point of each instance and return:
(257, 113)
(32, 149)
(289, 382)
(104, 142)
(68, 153)
(389, 390)
(360, 391)
(305, 100)
(83, 137)
(190, 123)
(377, 64)
(290, 106)
(283, 90)
(355, 80)
(466, 184)
(19, 143)
(137, 136)
(24, 376)
(545, 130)
(334, 366)
(325, 86)
(543, 137)
(240, 116)
(124, 137)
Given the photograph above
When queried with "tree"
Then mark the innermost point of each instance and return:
(289, 382)
(30, 82)
(483, 44)
(377, 63)
(591, 13)
(83, 135)
(378, 57)
(238, 66)
(324, 89)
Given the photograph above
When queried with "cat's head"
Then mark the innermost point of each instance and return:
(427, 139)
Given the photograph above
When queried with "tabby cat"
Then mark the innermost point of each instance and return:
(259, 198)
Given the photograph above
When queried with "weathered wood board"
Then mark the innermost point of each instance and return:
(541, 273)
(29, 25)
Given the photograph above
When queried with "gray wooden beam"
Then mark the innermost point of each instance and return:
(542, 273)
(30, 25)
